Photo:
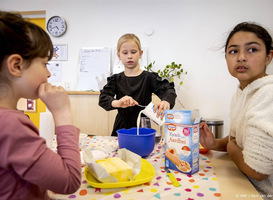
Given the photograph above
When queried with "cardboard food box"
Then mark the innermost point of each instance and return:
(181, 141)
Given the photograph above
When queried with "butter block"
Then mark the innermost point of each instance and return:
(116, 168)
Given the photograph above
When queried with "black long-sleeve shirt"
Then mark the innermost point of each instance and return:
(140, 88)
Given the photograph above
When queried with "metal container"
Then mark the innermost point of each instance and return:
(145, 122)
(216, 126)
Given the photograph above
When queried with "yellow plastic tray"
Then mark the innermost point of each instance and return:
(147, 172)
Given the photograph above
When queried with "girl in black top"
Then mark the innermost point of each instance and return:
(134, 86)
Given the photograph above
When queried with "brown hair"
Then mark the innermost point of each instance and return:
(18, 36)
(126, 37)
(253, 28)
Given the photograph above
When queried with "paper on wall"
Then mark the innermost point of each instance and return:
(94, 68)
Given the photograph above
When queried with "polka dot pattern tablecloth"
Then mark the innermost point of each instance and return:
(202, 185)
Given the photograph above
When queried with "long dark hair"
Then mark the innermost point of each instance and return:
(256, 29)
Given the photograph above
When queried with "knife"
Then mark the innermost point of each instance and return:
(172, 178)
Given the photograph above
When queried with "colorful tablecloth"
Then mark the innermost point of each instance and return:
(202, 185)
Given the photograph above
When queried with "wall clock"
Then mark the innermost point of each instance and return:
(56, 26)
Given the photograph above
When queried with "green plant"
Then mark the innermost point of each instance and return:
(170, 71)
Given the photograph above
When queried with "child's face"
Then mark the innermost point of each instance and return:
(33, 76)
(129, 54)
(246, 57)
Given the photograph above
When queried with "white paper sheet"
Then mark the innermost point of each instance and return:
(94, 68)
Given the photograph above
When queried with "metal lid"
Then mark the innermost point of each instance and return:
(213, 121)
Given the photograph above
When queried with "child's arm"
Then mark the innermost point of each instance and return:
(124, 102)
(208, 141)
(107, 97)
(36, 164)
(165, 91)
(107, 94)
(235, 153)
(57, 101)
(68, 160)
(161, 107)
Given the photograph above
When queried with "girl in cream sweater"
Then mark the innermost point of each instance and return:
(248, 52)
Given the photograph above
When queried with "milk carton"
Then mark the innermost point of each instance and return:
(181, 141)
(149, 112)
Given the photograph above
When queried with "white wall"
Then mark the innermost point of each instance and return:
(190, 32)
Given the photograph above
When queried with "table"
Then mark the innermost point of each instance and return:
(233, 183)
(218, 177)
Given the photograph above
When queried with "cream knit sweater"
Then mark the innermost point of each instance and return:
(252, 125)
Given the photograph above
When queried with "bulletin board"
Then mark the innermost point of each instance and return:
(94, 68)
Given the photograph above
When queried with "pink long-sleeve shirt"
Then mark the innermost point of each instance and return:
(27, 167)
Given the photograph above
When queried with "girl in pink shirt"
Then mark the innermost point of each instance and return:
(27, 167)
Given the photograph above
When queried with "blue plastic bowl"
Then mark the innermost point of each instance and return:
(142, 144)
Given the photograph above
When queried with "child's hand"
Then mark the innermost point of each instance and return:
(232, 146)
(161, 107)
(57, 101)
(124, 102)
(206, 138)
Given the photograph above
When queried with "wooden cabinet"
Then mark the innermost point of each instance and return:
(90, 117)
